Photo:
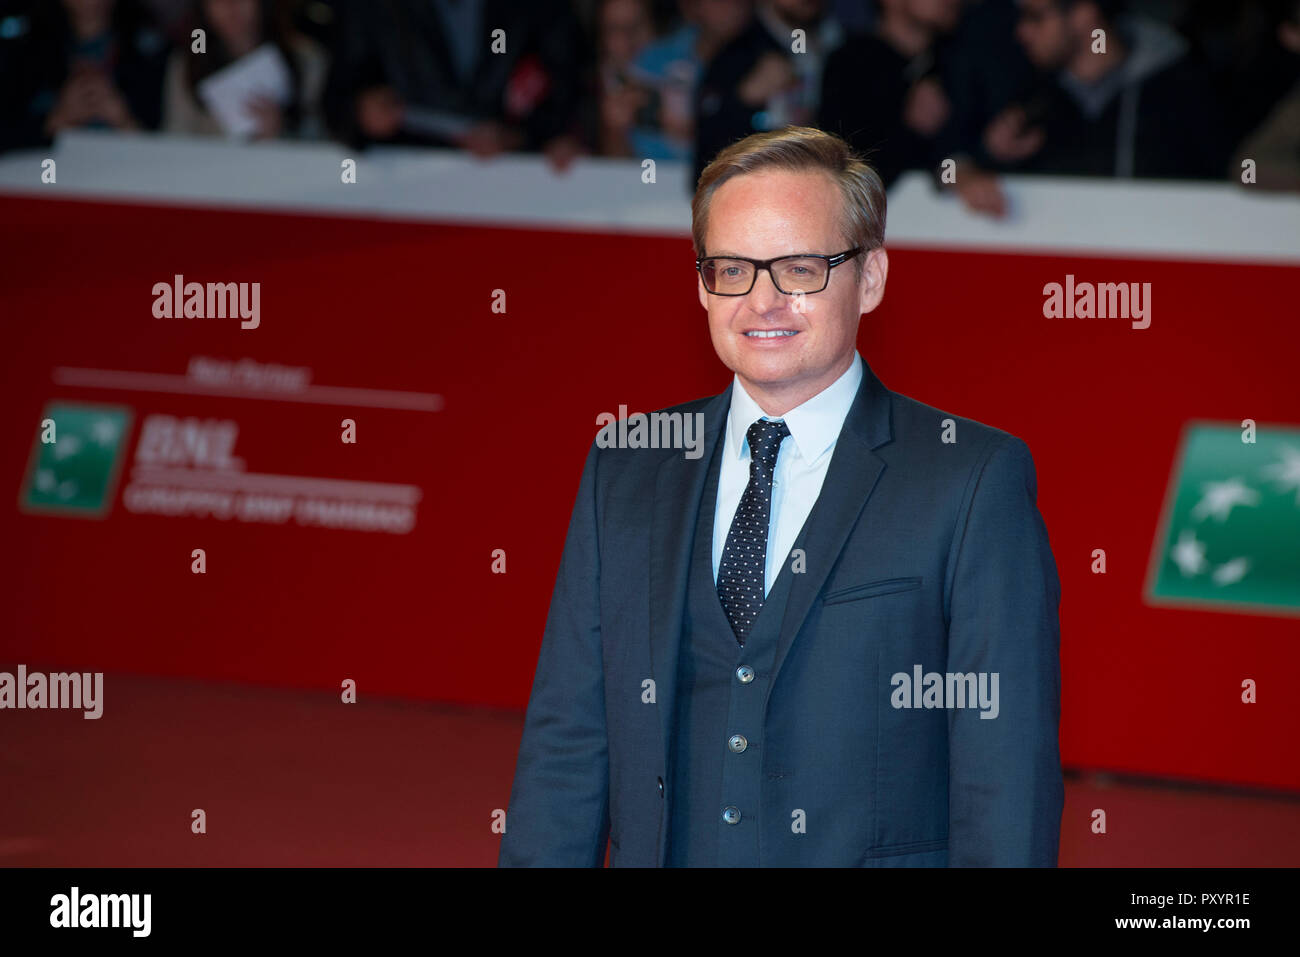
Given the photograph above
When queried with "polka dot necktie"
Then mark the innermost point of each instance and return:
(744, 557)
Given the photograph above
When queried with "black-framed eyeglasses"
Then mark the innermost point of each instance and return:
(804, 273)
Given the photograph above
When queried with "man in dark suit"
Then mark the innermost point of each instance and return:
(790, 649)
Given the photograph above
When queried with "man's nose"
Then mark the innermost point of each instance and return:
(764, 296)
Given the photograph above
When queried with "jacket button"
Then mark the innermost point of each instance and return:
(745, 674)
(661, 787)
(737, 743)
(731, 814)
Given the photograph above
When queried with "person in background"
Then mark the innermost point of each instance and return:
(234, 29)
(796, 101)
(855, 16)
(885, 91)
(1143, 108)
(624, 29)
(668, 70)
(758, 82)
(985, 69)
(1249, 64)
(79, 63)
(424, 72)
(1275, 144)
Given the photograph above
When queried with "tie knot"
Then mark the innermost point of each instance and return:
(765, 438)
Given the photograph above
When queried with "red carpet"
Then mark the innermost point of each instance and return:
(299, 779)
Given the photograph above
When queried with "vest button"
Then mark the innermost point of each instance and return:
(745, 674)
(661, 787)
(737, 743)
(731, 814)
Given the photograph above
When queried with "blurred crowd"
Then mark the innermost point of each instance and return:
(1158, 89)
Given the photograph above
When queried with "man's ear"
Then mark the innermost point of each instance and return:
(704, 293)
(874, 272)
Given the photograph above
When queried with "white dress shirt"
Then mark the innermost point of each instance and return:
(800, 469)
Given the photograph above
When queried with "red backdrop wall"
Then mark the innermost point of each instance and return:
(1101, 405)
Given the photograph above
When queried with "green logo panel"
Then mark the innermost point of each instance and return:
(1231, 530)
(75, 474)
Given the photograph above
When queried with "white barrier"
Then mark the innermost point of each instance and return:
(1148, 219)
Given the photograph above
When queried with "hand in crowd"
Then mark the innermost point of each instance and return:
(1009, 138)
(771, 74)
(619, 106)
(379, 112)
(269, 116)
(980, 191)
(675, 118)
(89, 95)
(561, 151)
(489, 138)
(926, 109)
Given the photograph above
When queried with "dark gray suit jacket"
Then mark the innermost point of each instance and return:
(918, 552)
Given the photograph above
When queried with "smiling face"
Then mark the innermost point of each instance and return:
(772, 213)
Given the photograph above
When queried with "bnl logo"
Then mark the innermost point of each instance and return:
(1230, 536)
(76, 459)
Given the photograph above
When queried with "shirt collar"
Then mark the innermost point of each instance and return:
(814, 426)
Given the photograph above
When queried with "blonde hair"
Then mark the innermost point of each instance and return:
(799, 149)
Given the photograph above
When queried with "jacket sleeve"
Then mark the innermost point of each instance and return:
(1005, 789)
(558, 814)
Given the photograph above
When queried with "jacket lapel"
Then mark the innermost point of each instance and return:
(679, 486)
(852, 475)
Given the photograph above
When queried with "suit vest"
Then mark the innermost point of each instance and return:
(715, 776)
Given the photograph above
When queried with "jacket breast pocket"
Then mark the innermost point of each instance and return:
(885, 586)
(917, 854)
